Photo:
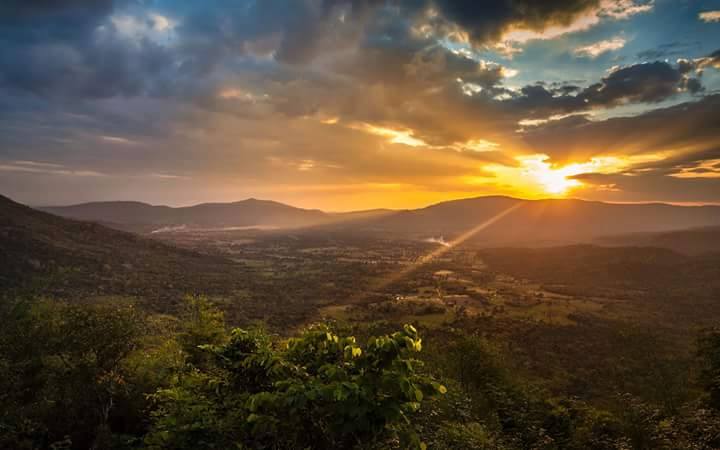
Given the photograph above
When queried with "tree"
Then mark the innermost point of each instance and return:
(709, 355)
(200, 324)
(319, 391)
(64, 363)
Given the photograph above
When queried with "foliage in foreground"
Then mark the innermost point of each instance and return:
(92, 376)
(89, 376)
(62, 372)
(318, 391)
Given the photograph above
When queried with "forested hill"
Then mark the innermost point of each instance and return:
(63, 257)
(549, 221)
(246, 213)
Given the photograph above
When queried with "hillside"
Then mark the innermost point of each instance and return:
(245, 213)
(691, 241)
(66, 257)
(654, 284)
(535, 222)
(541, 221)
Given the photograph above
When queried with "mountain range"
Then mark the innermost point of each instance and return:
(526, 221)
(250, 212)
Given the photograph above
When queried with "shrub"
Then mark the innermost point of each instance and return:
(320, 391)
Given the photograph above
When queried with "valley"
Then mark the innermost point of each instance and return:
(580, 320)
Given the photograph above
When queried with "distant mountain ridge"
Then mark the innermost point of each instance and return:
(544, 221)
(551, 221)
(250, 212)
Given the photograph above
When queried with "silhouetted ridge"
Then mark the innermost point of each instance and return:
(39, 248)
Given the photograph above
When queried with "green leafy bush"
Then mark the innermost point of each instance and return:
(319, 391)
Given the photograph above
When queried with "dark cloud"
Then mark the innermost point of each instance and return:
(687, 127)
(98, 69)
(43, 20)
(43, 37)
(86, 56)
(486, 21)
(693, 85)
(647, 83)
(566, 89)
(539, 101)
(293, 32)
(638, 83)
(71, 49)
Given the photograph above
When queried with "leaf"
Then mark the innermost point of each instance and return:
(439, 388)
(417, 345)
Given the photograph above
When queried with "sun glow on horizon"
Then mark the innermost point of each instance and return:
(554, 180)
(535, 176)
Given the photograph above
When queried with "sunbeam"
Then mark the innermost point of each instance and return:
(392, 278)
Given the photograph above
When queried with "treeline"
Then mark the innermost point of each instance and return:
(101, 376)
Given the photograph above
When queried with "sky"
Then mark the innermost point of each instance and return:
(359, 104)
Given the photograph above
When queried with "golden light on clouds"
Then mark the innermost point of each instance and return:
(535, 176)
(240, 94)
(616, 9)
(706, 169)
(710, 16)
(523, 35)
(598, 48)
(478, 145)
(404, 136)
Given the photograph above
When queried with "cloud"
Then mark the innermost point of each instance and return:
(38, 20)
(669, 49)
(117, 140)
(712, 60)
(330, 92)
(487, 22)
(669, 154)
(650, 187)
(688, 128)
(115, 48)
(709, 16)
(47, 169)
(649, 82)
(637, 83)
(99, 64)
(525, 20)
(623, 9)
(598, 48)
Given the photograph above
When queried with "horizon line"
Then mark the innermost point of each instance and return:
(252, 198)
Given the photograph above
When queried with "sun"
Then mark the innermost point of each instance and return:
(536, 176)
(551, 179)
(556, 181)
